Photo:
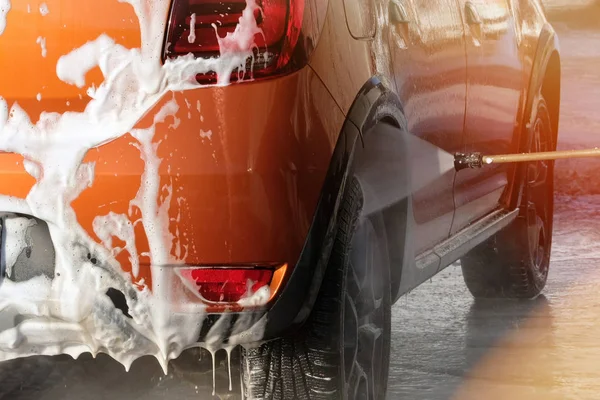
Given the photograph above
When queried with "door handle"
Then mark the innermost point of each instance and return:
(398, 14)
(472, 14)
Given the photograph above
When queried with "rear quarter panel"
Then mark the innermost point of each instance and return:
(246, 162)
(344, 62)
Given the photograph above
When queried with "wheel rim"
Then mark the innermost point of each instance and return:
(539, 198)
(364, 316)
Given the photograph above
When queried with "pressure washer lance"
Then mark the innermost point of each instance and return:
(477, 160)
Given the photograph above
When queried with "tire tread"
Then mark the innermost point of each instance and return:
(310, 371)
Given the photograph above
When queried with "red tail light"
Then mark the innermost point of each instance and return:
(195, 24)
(230, 284)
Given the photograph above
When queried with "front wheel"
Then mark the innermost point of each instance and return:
(514, 263)
(342, 352)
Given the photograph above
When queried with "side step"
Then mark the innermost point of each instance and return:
(464, 241)
(473, 235)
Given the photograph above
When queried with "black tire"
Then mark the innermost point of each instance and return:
(514, 263)
(342, 351)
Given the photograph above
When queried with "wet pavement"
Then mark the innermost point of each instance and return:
(444, 344)
(447, 345)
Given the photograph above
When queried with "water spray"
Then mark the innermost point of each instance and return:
(478, 160)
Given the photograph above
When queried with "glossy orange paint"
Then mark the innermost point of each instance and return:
(245, 162)
(68, 25)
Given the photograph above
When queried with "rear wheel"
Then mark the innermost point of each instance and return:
(515, 262)
(342, 352)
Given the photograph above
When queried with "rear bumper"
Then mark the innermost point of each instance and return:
(243, 167)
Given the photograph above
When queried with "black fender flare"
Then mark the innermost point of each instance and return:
(547, 45)
(374, 103)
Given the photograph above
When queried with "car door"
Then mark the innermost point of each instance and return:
(494, 83)
(427, 46)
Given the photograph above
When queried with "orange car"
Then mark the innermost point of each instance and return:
(270, 173)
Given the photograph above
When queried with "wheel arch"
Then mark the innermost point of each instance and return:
(375, 103)
(545, 78)
(551, 88)
(386, 110)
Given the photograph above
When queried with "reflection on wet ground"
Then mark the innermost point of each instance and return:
(554, 353)
(444, 345)
(449, 346)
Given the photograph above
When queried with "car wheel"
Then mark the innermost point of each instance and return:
(342, 351)
(515, 262)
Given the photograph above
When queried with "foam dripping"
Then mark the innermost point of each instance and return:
(71, 312)
(192, 35)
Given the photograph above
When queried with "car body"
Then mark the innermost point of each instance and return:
(248, 175)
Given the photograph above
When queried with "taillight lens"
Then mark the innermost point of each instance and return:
(195, 24)
(225, 285)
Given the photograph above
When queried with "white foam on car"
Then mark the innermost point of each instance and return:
(4, 9)
(42, 42)
(192, 35)
(44, 9)
(118, 225)
(70, 313)
(206, 134)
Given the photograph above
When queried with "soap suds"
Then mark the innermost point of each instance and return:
(261, 296)
(228, 349)
(189, 105)
(206, 134)
(4, 9)
(38, 97)
(42, 42)
(192, 35)
(73, 67)
(44, 9)
(71, 313)
(118, 225)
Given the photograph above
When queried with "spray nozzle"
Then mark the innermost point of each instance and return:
(470, 160)
(477, 160)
